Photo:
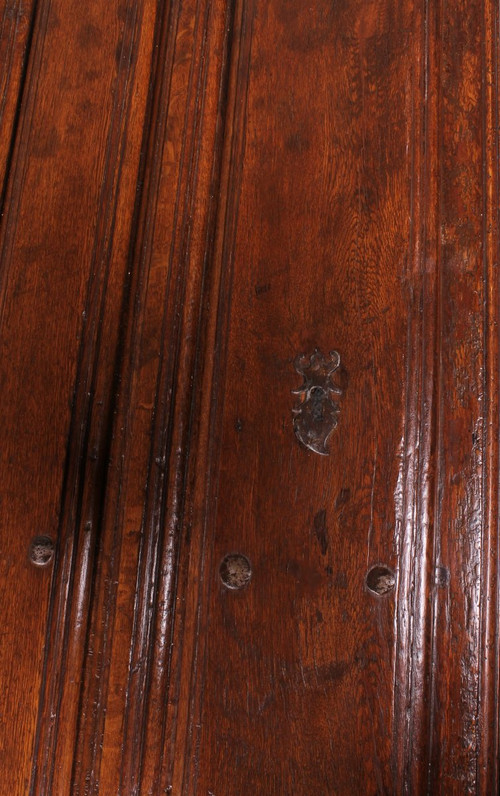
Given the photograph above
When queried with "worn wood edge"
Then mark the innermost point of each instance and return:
(489, 673)
(482, 745)
(417, 749)
(415, 537)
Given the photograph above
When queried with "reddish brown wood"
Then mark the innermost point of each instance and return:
(195, 194)
(65, 237)
(464, 652)
(306, 652)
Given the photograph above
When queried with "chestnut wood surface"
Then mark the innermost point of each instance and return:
(200, 200)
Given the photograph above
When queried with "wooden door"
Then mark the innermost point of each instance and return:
(249, 375)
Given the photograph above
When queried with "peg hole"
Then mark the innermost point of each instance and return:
(380, 579)
(235, 571)
(41, 551)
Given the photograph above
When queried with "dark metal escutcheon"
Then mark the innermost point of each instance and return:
(315, 413)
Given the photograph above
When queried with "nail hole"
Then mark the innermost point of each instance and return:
(380, 580)
(41, 550)
(235, 571)
(442, 576)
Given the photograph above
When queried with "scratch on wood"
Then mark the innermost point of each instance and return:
(321, 530)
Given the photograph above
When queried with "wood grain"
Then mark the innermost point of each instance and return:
(17, 23)
(76, 583)
(464, 657)
(57, 245)
(306, 652)
(194, 194)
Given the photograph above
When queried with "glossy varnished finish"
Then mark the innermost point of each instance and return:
(249, 373)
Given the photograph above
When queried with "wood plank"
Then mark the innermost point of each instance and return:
(464, 682)
(65, 239)
(296, 672)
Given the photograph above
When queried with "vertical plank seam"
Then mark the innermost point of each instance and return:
(435, 548)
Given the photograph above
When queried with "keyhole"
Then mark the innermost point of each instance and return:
(316, 396)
